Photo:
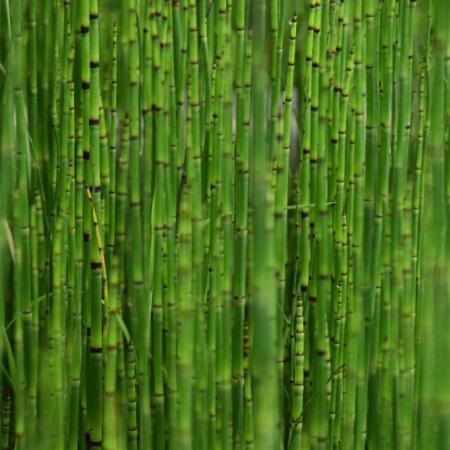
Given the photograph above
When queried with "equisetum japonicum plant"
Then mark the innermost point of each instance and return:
(225, 224)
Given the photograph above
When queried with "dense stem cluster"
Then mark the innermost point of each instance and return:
(224, 224)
